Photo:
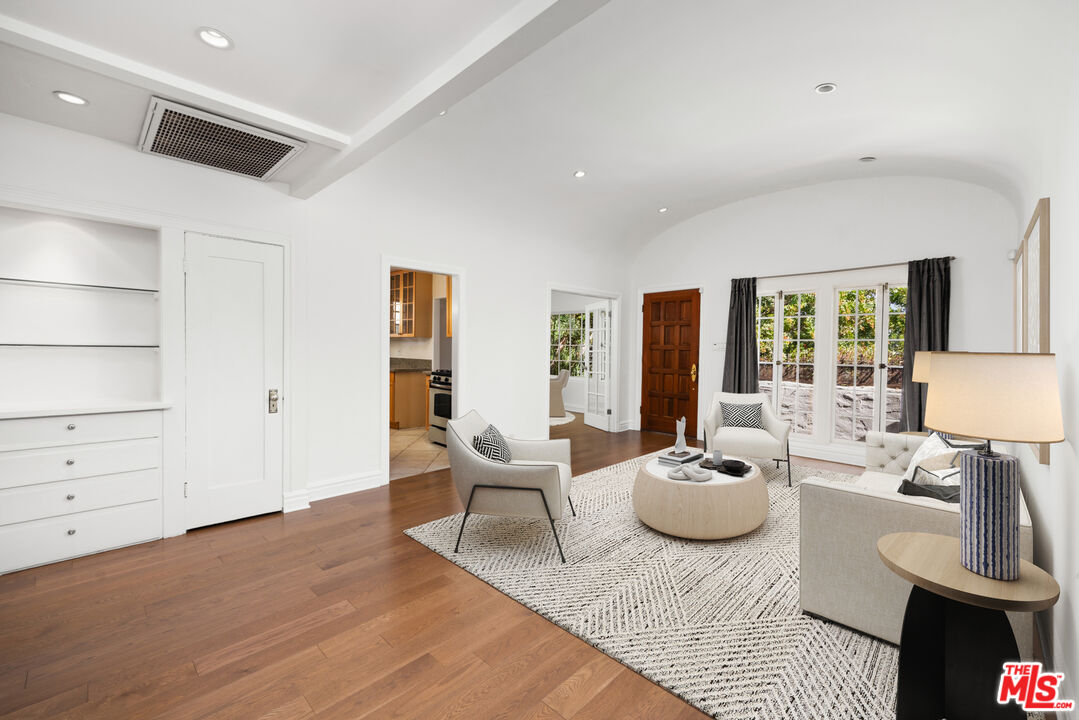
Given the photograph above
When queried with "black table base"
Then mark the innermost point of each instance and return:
(950, 659)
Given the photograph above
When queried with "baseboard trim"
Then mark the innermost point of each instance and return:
(831, 453)
(625, 425)
(332, 487)
(574, 408)
(296, 500)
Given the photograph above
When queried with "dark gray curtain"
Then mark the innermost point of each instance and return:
(740, 364)
(929, 291)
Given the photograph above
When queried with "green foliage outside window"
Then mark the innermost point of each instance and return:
(568, 344)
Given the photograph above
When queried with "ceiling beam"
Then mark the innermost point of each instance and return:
(530, 25)
(173, 87)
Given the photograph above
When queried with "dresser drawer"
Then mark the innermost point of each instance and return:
(74, 429)
(44, 541)
(32, 467)
(35, 502)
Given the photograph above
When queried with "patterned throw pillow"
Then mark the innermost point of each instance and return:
(747, 416)
(492, 445)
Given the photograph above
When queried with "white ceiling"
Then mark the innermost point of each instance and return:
(687, 104)
(337, 63)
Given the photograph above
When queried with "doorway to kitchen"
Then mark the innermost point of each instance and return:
(421, 352)
(583, 359)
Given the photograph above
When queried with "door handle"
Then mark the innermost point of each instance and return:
(693, 373)
(273, 400)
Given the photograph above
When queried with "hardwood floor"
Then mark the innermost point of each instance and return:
(325, 613)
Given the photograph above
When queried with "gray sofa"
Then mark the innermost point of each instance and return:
(841, 577)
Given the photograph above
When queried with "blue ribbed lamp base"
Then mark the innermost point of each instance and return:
(989, 515)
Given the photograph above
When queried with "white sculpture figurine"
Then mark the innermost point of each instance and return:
(680, 443)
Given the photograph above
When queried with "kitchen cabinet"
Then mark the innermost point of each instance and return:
(408, 399)
(410, 304)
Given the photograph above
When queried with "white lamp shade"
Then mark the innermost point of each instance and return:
(1011, 397)
(922, 360)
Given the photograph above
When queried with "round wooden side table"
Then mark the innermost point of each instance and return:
(956, 637)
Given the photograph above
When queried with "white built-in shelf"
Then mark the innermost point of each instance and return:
(87, 286)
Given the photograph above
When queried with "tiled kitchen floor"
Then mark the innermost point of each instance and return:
(411, 453)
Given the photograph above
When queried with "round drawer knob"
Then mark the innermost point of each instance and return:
(70, 462)
(70, 496)
(71, 426)
(71, 531)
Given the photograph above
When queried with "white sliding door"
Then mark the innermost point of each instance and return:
(597, 369)
(235, 362)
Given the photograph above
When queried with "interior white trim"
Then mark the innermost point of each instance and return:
(332, 487)
(295, 500)
(460, 327)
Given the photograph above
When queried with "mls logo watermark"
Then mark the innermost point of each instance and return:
(1030, 688)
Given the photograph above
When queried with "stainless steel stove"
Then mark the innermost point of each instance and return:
(441, 405)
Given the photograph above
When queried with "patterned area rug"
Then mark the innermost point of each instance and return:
(717, 623)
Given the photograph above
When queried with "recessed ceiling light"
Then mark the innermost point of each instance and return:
(441, 113)
(579, 174)
(867, 158)
(215, 38)
(825, 88)
(663, 209)
(70, 97)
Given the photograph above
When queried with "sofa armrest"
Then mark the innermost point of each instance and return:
(550, 450)
(842, 578)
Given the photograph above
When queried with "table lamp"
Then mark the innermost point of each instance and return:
(922, 362)
(1011, 397)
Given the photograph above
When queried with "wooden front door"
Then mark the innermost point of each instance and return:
(671, 344)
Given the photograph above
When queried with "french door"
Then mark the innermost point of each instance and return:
(597, 370)
(868, 390)
(787, 351)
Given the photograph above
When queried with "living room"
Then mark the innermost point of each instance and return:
(706, 153)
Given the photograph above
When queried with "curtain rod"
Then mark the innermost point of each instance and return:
(827, 272)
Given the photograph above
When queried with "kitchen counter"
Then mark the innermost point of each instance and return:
(398, 364)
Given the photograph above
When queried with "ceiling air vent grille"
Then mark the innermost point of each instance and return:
(202, 138)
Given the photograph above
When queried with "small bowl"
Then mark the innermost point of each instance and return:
(734, 465)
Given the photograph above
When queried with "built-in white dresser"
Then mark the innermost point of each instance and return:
(80, 387)
(74, 484)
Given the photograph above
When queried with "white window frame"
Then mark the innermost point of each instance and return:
(779, 298)
(826, 285)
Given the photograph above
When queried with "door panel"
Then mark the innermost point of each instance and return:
(235, 356)
(598, 365)
(670, 362)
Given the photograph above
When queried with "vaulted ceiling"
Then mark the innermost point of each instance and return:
(682, 104)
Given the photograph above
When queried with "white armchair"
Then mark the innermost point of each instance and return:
(535, 483)
(771, 442)
(558, 384)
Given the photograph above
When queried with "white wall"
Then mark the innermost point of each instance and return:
(1052, 492)
(393, 206)
(833, 226)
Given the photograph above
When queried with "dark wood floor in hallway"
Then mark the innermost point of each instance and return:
(325, 613)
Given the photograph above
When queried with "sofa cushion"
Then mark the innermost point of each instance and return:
(947, 493)
(746, 415)
(881, 481)
(934, 445)
(749, 442)
(492, 445)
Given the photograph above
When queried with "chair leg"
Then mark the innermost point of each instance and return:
(571, 506)
(465, 518)
(789, 463)
(551, 520)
